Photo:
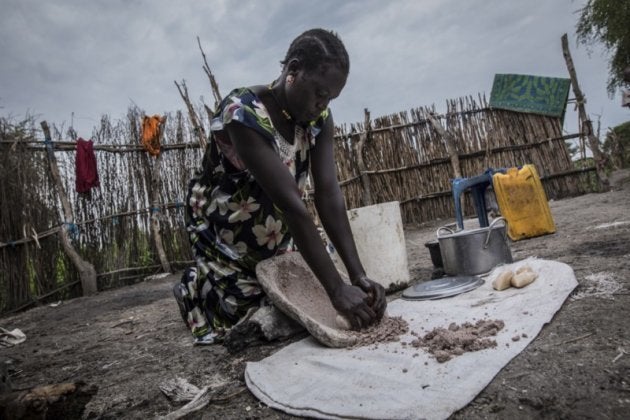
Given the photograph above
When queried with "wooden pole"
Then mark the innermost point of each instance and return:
(194, 119)
(365, 178)
(155, 207)
(213, 82)
(587, 126)
(450, 145)
(87, 273)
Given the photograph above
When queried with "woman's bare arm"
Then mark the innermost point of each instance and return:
(274, 178)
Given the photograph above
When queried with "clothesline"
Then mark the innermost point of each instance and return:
(121, 148)
(73, 227)
(115, 148)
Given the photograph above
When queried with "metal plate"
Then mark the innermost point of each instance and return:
(443, 287)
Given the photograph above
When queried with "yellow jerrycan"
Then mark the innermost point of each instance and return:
(523, 202)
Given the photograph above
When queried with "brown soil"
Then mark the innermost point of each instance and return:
(129, 341)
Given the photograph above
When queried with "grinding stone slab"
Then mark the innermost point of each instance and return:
(293, 288)
(441, 288)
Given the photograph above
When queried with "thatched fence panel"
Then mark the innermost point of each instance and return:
(119, 212)
(112, 224)
(408, 161)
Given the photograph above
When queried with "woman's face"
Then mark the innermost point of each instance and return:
(311, 92)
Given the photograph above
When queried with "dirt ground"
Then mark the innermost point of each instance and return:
(128, 341)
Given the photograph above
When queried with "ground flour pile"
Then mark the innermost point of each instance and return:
(446, 343)
(388, 329)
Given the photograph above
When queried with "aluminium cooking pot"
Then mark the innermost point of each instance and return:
(475, 251)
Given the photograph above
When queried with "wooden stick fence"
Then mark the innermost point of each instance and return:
(404, 157)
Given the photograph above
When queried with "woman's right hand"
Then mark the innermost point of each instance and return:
(351, 302)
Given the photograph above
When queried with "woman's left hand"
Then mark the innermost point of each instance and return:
(376, 295)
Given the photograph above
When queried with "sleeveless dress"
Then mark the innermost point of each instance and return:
(232, 224)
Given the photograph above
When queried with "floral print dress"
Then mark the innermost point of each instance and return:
(231, 222)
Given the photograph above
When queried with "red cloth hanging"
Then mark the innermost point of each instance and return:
(86, 172)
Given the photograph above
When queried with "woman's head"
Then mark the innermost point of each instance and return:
(316, 48)
(315, 70)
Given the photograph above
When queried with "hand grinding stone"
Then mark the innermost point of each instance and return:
(342, 323)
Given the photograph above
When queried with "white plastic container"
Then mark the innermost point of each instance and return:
(380, 240)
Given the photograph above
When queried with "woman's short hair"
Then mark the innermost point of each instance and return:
(318, 47)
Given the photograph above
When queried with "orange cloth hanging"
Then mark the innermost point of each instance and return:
(151, 130)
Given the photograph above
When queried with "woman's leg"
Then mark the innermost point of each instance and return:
(230, 299)
(189, 304)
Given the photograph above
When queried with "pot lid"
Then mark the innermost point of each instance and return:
(443, 287)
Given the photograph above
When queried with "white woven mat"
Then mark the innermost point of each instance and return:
(392, 381)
